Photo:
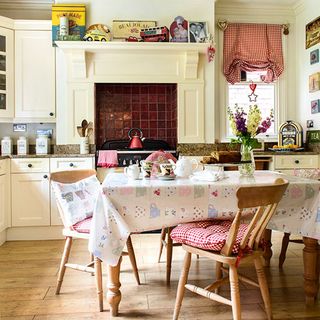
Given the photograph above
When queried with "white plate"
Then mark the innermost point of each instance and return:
(166, 177)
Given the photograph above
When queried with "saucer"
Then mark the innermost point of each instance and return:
(171, 177)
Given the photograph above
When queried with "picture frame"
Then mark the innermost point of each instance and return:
(313, 33)
(198, 31)
(314, 56)
(315, 106)
(123, 29)
(179, 30)
(309, 123)
(314, 82)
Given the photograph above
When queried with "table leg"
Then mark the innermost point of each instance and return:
(169, 255)
(267, 249)
(113, 286)
(311, 269)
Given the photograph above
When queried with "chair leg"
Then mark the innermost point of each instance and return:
(98, 274)
(64, 260)
(169, 255)
(235, 294)
(284, 247)
(181, 286)
(162, 239)
(132, 258)
(91, 259)
(263, 286)
(218, 274)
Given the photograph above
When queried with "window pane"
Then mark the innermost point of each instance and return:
(3, 43)
(2, 63)
(238, 94)
(2, 101)
(2, 82)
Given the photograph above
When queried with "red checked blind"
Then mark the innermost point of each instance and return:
(252, 47)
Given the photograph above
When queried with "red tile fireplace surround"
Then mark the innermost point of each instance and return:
(151, 107)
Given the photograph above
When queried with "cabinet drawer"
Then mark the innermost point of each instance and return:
(26, 165)
(3, 166)
(296, 161)
(60, 164)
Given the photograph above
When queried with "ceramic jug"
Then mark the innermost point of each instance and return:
(132, 172)
(184, 167)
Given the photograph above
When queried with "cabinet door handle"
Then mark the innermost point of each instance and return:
(71, 164)
(45, 176)
(51, 114)
(296, 161)
(29, 165)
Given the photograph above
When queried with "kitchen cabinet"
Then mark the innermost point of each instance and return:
(4, 195)
(60, 164)
(6, 74)
(34, 72)
(191, 113)
(30, 192)
(288, 163)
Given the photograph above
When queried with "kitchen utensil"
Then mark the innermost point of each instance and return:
(89, 131)
(84, 125)
(79, 129)
(135, 139)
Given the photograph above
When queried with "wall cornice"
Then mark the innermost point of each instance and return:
(26, 5)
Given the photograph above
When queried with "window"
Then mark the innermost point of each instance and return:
(267, 99)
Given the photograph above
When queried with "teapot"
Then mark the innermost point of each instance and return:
(135, 139)
(184, 167)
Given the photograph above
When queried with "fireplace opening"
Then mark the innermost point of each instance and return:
(150, 107)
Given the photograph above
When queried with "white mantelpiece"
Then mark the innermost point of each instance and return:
(82, 64)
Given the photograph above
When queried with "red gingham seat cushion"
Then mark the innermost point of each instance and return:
(83, 226)
(208, 235)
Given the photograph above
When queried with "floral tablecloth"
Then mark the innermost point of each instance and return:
(125, 206)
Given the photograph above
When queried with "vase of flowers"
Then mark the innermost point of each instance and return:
(246, 126)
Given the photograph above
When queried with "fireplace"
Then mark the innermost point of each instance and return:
(150, 107)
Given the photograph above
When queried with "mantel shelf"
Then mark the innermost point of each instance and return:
(96, 47)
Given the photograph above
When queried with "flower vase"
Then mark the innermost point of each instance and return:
(247, 169)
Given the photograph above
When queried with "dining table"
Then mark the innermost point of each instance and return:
(127, 206)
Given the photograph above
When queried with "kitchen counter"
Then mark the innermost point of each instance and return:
(54, 155)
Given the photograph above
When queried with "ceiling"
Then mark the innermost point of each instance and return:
(265, 2)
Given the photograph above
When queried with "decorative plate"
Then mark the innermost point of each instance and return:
(166, 177)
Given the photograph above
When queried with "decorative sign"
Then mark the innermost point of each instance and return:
(314, 82)
(129, 28)
(313, 33)
(313, 136)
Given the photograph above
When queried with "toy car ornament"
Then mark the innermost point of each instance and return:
(97, 32)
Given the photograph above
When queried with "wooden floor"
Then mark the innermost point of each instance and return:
(28, 272)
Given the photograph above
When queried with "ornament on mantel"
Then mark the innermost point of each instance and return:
(252, 96)
(211, 51)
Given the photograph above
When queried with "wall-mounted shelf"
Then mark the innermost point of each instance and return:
(96, 46)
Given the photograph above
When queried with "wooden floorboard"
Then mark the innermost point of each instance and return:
(28, 271)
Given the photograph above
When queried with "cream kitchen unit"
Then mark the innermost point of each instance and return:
(34, 71)
(5, 203)
(287, 163)
(34, 211)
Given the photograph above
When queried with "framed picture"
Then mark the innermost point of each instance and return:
(198, 31)
(309, 123)
(179, 30)
(314, 56)
(123, 29)
(314, 82)
(315, 106)
(313, 33)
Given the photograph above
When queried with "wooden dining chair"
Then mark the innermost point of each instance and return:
(229, 243)
(313, 174)
(81, 230)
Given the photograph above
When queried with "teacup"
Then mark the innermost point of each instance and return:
(166, 169)
(132, 171)
(146, 168)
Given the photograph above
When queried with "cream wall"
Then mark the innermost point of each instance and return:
(308, 12)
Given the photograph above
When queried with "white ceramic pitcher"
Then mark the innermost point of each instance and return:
(132, 172)
(184, 167)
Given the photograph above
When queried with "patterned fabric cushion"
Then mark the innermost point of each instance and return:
(83, 226)
(208, 235)
(77, 200)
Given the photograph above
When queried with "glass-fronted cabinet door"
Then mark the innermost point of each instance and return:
(6, 74)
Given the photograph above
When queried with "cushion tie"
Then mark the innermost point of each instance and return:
(241, 253)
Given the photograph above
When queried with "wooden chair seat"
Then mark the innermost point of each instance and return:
(81, 230)
(233, 243)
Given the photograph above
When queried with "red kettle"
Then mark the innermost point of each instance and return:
(135, 139)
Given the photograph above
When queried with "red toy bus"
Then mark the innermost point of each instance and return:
(157, 34)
